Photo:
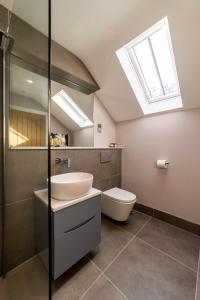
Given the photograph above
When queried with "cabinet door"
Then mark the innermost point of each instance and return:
(68, 218)
(76, 242)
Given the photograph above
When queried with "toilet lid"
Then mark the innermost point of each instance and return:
(120, 195)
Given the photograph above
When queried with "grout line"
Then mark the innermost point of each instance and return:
(177, 227)
(198, 278)
(21, 266)
(150, 218)
(101, 275)
(154, 216)
(140, 212)
(18, 202)
(127, 244)
(95, 265)
(87, 290)
(115, 286)
(118, 226)
(166, 254)
(93, 283)
(118, 254)
(122, 229)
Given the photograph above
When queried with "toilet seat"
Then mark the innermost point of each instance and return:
(120, 195)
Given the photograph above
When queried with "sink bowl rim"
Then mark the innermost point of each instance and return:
(88, 176)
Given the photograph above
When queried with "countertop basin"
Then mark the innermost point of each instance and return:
(71, 185)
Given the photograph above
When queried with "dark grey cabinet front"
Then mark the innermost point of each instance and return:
(76, 231)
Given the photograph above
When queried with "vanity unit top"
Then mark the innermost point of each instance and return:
(57, 205)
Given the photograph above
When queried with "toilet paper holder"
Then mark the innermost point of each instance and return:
(162, 164)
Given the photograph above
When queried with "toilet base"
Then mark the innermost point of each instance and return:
(116, 210)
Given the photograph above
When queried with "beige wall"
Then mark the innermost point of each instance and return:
(83, 137)
(172, 136)
(57, 127)
(89, 137)
(108, 133)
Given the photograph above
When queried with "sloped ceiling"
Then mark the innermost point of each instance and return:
(94, 30)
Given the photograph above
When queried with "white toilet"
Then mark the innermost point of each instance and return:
(117, 203)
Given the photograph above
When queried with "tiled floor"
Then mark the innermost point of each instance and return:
(29, 281)
(143, 259)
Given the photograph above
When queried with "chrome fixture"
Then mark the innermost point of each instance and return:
(66, 161)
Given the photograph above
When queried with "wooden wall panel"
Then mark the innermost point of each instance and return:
(27, 129)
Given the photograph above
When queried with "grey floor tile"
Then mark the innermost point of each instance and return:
(135, 222)
(113, 239)
(3, 289)
(103, 289)
(142, 272)
(72, 284)
(28, 281)
(198, 287)
(182, 245)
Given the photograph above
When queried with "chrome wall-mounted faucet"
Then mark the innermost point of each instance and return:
(66, 161)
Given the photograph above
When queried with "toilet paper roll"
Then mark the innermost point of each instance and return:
(162, 164)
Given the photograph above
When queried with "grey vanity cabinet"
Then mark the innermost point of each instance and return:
(76, 230)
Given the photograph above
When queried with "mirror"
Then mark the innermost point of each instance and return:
(71, 117)
(71, 113)
(72, 88)
(28, 118)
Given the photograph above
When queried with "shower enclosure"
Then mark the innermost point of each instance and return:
(24, 148)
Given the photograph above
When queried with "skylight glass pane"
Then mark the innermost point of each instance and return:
(163, 57)
(149, 65)
(148, 69)
(71, 109)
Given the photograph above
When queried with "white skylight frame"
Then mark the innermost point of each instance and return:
(131, 67)
(65, 102)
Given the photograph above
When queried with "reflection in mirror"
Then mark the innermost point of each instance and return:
(71, 112)
(27, 111)
(72, 117)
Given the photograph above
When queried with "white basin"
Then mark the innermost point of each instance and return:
(70, 186)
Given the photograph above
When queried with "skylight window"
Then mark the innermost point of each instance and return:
(149, 64)
(65, 102)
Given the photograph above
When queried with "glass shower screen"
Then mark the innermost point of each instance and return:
(26, 154)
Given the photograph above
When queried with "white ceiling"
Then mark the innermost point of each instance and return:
(94, 30)
(37, 90)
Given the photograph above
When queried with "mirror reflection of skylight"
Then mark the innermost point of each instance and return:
(149, 64)
(66, 103)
